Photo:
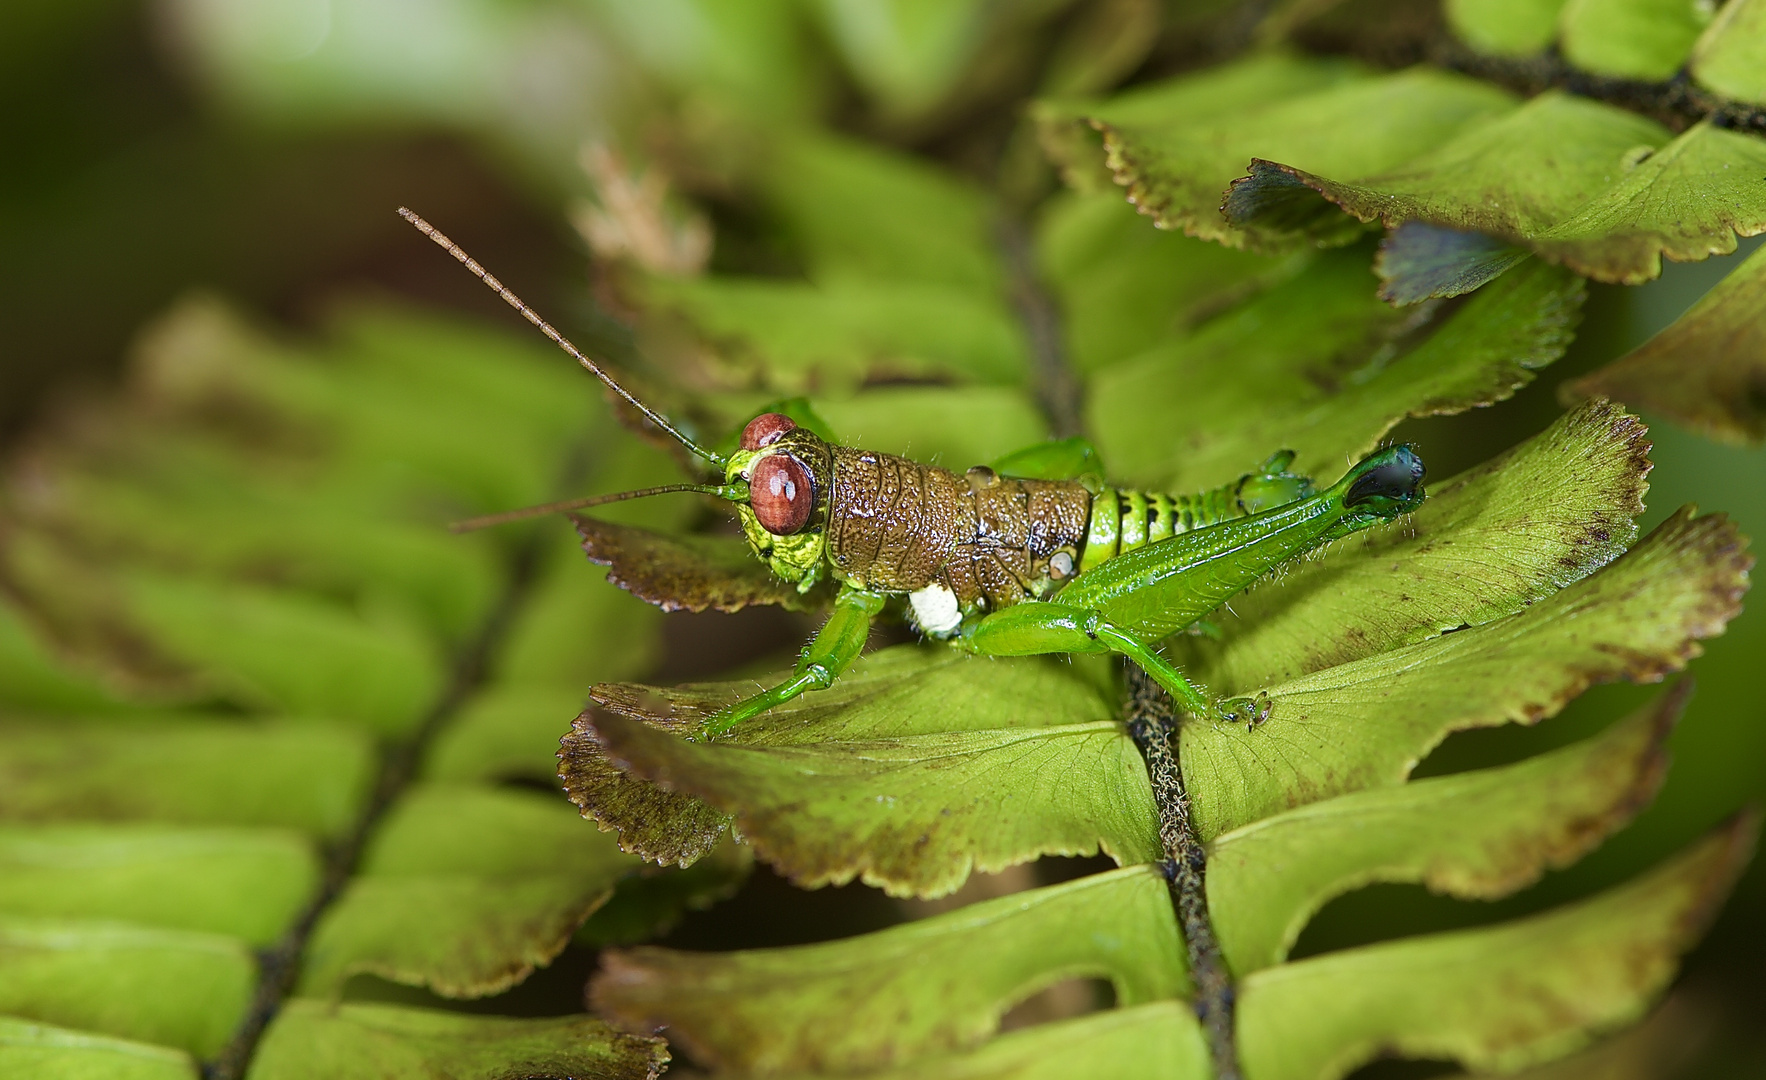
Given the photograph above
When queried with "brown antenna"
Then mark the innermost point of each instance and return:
(558, 339)
(732, 492)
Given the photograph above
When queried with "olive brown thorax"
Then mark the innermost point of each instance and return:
(886, 523)
(902, 526)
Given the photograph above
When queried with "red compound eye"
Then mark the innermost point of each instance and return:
(765, 430)
(781, 493)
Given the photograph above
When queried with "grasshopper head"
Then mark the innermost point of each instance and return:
(789, 472)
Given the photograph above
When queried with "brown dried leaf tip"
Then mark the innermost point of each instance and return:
(686, 573)
(652, 822)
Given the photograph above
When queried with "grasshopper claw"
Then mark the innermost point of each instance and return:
(1248, 711)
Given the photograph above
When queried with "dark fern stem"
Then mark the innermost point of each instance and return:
(1676, 102)
(1152, 723)
(279, 965)
(1057, 389)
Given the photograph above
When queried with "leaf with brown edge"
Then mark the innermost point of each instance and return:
(1707, 370)
(653, 823)
(1495, 998)
(1671, 1038)
(1366, 723)
(459, 935)
(688, 573)
(1686, 201)
(362, 1041)
(1477, 835)
(1178, 169)
(912, 815)
(464, 889)
(1160, 1039)
(1583, 185)
(907, 723)
(1487, 543)
(1067, 127)
(903, 690)
(898, 994)
(1512, 178)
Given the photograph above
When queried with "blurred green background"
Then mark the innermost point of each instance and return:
(258, 149)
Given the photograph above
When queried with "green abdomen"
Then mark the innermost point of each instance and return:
(1123, 519)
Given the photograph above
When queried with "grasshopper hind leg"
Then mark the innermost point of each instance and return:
(1033, 629)
(1239, 710)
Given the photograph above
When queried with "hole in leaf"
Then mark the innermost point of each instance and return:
(1062, 1001)
(769, 912)
(1488, 748)
(545, 786)
(553, 990)
(1054, 869)
(1383, 912)
(1048, 870)
(705, 645)
(979, 887)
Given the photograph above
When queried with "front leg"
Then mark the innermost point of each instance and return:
(1036, 628)
(835, 647)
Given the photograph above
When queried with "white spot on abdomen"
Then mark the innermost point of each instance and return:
(936, 610)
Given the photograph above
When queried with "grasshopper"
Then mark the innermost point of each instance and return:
(1025, 557)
